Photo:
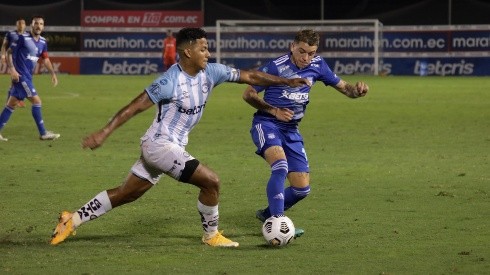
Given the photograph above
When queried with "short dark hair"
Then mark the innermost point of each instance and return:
(37, 16)
(308, 36)
(20, 18)
(188, 35)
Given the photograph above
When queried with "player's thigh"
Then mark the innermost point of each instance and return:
(161, 157)
(265, 135)
(204, 177)
(295, 152)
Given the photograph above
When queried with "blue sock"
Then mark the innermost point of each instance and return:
(292, 195)
(38, 118)
(275, 187)
(5, 116)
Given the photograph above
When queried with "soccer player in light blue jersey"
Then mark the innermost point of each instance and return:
(275, 124)
(12, 37)
(24, 56)
(180, 96)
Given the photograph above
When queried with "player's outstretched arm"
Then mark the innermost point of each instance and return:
(352, 91)
(141, 103)
(264, 79)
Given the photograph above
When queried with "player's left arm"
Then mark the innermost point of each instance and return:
(49, 66)
(259, 78)
(353, 91)
(139, 104)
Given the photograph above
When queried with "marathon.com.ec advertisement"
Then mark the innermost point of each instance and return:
(421, 52)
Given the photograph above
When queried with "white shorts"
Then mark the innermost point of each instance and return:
(160, 157)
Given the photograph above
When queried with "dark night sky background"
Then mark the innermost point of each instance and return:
(390, 12)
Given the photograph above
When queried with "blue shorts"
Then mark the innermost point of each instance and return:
(266, 134)
(22, 89)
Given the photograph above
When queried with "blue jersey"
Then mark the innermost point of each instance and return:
(12, 37)
(297, 98)
(181, 99)
(26, 54)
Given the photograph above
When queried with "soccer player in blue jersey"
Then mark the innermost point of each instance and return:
(12, 37)
(275, 124)
(180, 96)
(24, 56)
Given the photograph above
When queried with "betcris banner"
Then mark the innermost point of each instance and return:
(120, 66)
(412, 66)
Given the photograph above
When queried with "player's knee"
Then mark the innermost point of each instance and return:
(213, 182)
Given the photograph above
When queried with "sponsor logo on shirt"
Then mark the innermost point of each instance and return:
(298, 97)
(192, 111)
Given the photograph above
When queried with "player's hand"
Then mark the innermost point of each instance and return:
(94, 140)
(283, 114)
(14, 75)
(54, 80)
(362, 88)
(296, 82)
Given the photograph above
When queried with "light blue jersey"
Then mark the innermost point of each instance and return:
(181, 99)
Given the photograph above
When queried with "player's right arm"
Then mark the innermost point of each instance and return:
(14, 75)
(251, 96)
(141, 103)
(4, 49)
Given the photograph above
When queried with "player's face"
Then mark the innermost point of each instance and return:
(21, 26)
(200, 53)
(37, 26)
(302, 53)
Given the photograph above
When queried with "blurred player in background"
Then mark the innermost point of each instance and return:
(180, 96)
(169, 51)
(275, 124)
(10, 38)
(30, 47)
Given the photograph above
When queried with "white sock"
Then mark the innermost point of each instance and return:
(95, 208)
(209, 218)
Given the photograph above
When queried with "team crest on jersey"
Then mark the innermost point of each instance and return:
(163, 82)
(154, 89)
(283, 68)
(205, 88)
(271, 136)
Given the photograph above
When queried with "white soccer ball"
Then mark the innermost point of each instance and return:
(278, 230)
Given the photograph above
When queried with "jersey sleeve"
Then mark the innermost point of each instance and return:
(44, 50)
(161, 89)
(269, 68)
(221, 73)
(328, 77)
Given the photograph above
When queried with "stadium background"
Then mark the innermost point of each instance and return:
(419, 21)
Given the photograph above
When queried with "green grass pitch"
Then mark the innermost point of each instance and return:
(400, 183)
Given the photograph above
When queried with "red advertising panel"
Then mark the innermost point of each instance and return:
(63, 65)
(123, 18)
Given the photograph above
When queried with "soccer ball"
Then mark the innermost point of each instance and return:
(278, 230)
